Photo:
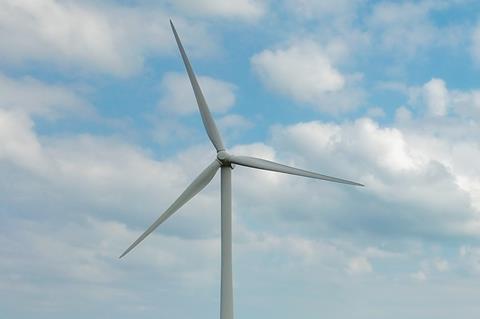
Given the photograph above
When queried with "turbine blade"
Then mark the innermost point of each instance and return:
(207, 118)
(275, 167)
(196, 186)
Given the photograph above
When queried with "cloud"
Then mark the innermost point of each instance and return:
(248, 10)
(402, 115)
(87, 37)
(466, 103)
(19, 144)
(304, 72)
(416, 173)
(376, 112)
(404, 28)
(475, 45)
(81, 260)
(305, 62)
(359, 265)
(312, 9)
(441, 265)
(234, 124)
(32, 96)
(420, 276)
(438, 100)
(87, 197)
(165, 128)
(436, 97)
(74, 201)
(178, 97)
(66, 171)
(470, 258)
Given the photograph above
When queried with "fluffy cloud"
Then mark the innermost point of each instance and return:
(404, 24)
(68, 180)
(475, 49)
(438, 100)
(421, 175)
(359, 265)
(31, 96)
(87, 36)
(406, 27)
(19, 144)
(72, 202)
(80, 259)
(436, 97)
(304, 72)
(320, 9)
(233, 126)
(178, 97)
(243, 9)
(466, 103)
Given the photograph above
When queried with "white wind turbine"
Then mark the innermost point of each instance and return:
(223, 161)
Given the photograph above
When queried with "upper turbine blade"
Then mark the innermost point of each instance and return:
(197, 185)
(207, 119)
(272, 166)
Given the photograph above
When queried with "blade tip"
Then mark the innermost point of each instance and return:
(124, 253)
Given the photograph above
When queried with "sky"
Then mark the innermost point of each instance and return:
(99, 133)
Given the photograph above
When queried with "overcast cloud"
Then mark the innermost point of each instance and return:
(99, 133)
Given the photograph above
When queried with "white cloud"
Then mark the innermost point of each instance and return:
(466, 103)
(178, 97)
(81, 35)
(241, 9)
(304, 72)
(371, 139)
(475, 49)
(235, 121)
(31, 96)
(306, 63)
(376, 112)
(73, 202)
(439, 100)
(359, 265)
(420, 276)
(402, 114)
(232, 125)
(18, 143)
(441, 265)
(103, 173)
(80, 258)
(435, 94)
(419, 172)
(470, 256)
(166, 128)
(319, 9)
(404, 28)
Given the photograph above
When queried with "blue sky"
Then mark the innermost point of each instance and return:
(99, 132)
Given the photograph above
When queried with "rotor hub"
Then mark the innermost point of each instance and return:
(223, 157)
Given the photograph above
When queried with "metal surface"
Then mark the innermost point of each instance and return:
(197, 185)
(207, 118)
(275, 167)
(226, 289)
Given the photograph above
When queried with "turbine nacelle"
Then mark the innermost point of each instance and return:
(224, 158)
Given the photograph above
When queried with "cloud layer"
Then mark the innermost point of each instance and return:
(96, 140)
(304, 72)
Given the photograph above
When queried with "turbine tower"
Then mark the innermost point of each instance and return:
(223, 161)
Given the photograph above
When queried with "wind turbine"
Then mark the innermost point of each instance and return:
(223, 161)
